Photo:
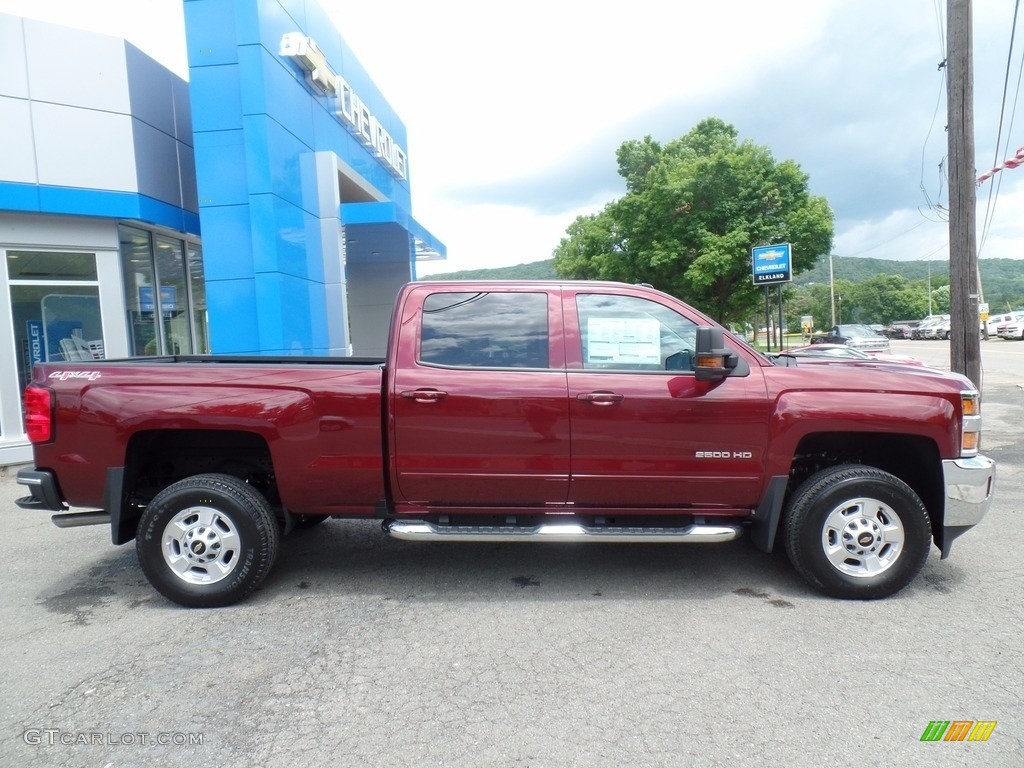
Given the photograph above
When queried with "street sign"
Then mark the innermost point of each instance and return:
(771, 264)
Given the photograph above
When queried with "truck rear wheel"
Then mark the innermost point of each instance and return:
(207, 541)
(857, 532)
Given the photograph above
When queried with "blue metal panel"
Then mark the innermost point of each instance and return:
(221, 168)
(227, 233)
(19, 197)
(274, 92)
(279, 238)
(88, 202)
(372, 213)
(216, 98)
(283, 159)
(210, 33)
(250, 164)
(71, 201)
(234, 299)
(274, 19)
(283, 330)
(159, 212)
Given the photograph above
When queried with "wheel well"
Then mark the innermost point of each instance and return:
(913, 459)
(157, 458)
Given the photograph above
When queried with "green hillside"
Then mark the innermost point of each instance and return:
(535, 270)
(1002, 279)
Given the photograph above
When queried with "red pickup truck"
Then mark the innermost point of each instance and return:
(507, 411)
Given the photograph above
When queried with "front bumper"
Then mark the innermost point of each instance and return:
(968, 484)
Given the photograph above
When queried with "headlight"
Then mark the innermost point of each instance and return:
(970, 429)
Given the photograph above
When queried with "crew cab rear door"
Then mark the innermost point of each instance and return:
(645, 432)
(479, 411)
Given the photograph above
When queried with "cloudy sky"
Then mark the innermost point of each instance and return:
(514, 110)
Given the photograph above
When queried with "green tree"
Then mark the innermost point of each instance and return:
(694, 208)
(884, 298)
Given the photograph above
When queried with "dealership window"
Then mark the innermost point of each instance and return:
(165, 296)
(55, 308)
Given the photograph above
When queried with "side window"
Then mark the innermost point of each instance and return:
(485, 330)
(626, 333)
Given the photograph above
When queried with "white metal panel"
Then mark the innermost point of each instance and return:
(17, 149)
(84, 148)
(98, 79)
(13, 75)
(112, 309)
(11, 428)
(30, 231)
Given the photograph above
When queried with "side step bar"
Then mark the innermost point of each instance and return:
(420, 530)
(80, 519)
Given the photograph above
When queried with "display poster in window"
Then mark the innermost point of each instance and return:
(36, 342)
(623, 340)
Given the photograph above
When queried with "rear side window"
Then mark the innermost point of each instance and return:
(485, 330)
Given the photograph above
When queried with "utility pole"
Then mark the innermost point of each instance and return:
(964, 341)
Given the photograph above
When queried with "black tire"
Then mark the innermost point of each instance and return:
(856, 532)
(207, 541)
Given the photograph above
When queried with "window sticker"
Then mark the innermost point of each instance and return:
(623, 340)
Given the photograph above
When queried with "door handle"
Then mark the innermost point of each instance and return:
(424, 395)
(600, 398)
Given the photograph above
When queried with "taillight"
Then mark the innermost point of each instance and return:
(39, 414)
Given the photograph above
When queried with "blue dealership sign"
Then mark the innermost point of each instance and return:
(772, 264)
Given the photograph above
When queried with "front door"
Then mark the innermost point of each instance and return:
(645, 432)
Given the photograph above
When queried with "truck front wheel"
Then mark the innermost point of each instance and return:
(857, 532)
(207, 541)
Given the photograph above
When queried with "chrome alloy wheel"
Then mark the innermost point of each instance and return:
(201, 545)
(862, 537)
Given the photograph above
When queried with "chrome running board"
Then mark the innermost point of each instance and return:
(420, 530)
(80, 519)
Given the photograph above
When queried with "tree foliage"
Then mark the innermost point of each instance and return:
(693, 210)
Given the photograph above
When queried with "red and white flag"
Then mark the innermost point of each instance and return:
(1010, 162)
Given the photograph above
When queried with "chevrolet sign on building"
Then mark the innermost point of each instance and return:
(350, 109)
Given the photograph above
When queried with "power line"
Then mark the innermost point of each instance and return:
(936, 205)
(993, 190)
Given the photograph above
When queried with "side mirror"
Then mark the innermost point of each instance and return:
(713, 360)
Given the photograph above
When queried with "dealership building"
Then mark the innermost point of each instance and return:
(263, 207)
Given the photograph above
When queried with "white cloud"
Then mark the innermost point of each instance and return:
(514, 111)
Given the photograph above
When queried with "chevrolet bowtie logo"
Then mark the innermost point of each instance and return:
(308, 56)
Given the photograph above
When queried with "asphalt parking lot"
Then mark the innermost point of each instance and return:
(362, 651)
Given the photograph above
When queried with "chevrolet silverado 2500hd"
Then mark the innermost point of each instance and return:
(505, 411)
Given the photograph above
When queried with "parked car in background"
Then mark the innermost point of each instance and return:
(939, 330)
(1014, 329)
(926, 328)
(994, 321)
(854, 335)
(846, 353)
(899, 329)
